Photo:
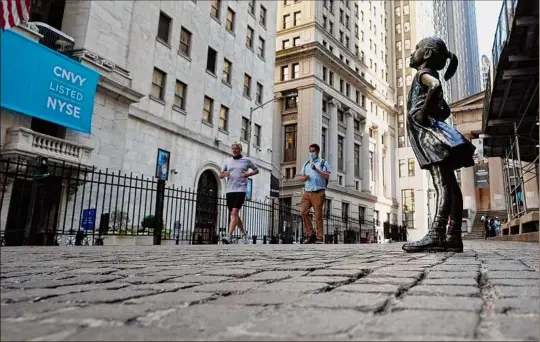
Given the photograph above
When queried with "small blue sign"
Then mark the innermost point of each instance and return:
(249, 189)
(88, 219)
(45, 84)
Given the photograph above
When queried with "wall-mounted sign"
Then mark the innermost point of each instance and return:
(274, 186)
(249, 189)
(162, 164)
(481, 176)
(45, 84)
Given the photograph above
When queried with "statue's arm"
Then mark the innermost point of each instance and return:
(433, 85)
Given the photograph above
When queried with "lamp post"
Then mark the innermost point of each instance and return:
(251, 110)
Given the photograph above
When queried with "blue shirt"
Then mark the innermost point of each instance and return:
(315, 182)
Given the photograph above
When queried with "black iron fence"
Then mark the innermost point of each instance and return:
(48, 203)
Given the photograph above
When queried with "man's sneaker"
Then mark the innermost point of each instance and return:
(226, 240)
(319, 242)
(245, 239)
(310, 239)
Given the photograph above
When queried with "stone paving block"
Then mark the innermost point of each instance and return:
(440, 303)
(440, 274)
(172, 299)
(319, 279)
(259, 298)
(37, 294)
(383, 280)
(299, 322)
(155, 279)
(456, 268)
(513, 275)
(522, 328)
(80, 280)
(274, 275)
(518, 305)
(124, 333)
(100, 296)
(98, 315)
(356, 267)
(450, 281)
(515, 282)
(230, 272)
(396, 274)
(23, 310)
(27, 331)
(225, 287)
(369, 288)
(344, 300)
(442, 290)
(517, 291)
(421, 323)
(162, 287)
(193, 278)
(517, 266)
(292, 286)
(342, 273)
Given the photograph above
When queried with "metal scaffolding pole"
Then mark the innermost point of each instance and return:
(521, 179)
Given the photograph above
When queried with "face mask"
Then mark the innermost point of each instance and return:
(313, 155)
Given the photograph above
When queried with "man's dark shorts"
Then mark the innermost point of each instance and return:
(235, 200)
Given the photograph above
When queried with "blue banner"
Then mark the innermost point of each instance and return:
(45, 84)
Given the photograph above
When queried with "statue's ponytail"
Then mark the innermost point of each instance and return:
(452, 67)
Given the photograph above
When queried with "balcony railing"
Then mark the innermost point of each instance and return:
(504, 25)
(24, 141)
(55, 39)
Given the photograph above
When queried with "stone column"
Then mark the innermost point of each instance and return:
(366, 171)
(390, 169)
(349, 149)
(333, 106)
(379, 163)
(309, 129)
(277, 137)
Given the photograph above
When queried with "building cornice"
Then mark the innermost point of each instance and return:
(315, 49)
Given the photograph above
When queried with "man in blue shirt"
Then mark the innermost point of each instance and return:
(314, 173)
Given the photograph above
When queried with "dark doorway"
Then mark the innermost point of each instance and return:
(206, 212)
(44, 216)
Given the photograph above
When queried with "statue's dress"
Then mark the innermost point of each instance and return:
(435, 141)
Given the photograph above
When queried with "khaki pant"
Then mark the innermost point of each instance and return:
(315, 200)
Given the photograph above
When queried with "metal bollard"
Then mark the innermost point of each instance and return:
(264, 240)
(254, 237)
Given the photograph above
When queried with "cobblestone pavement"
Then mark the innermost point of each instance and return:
(270, 292)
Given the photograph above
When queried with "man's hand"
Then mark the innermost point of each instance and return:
(304, 178)
(246, 174)
(224, 174)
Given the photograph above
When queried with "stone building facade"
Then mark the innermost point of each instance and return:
(332, 75)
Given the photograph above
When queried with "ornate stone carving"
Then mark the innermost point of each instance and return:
(290, 117)
(335, 103)
(98, 60)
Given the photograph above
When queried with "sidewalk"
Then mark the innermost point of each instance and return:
(270, 292)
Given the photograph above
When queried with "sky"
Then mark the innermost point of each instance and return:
(487, 15)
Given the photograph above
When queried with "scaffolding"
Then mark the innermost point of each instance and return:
(515, 171)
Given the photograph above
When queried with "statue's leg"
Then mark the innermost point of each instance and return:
(435, 239)
(454, 243)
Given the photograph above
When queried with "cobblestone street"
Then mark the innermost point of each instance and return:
(270, 292)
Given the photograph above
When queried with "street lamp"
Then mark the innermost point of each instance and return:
(251, 110)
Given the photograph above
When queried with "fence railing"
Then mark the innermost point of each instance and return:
(47, 203)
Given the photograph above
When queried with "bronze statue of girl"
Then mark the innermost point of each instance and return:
(438, 146)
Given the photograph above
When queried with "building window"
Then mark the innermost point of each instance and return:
(180, 95)
(357, 125)
(158, 84)
(286, 21)
(295, 41)
(324, 106)
(290, 143)
(407, 27)
(185, 42)
(214, 10)
(341, 115)
(324, 74)
(290, 102)
(341, 86)
(285, 44)
(230, 20)
(251, 7)
(357, 160)
(331, 27)
(361, 214)
(244, 129)
(347, 89)
(257, 135)
(285, 73)
(405, 9)
(398, 28)
(247, 85)
(164, 27)
(400, 63)
(224, 118)
(262, 16)
(249, 37)
(297, 18)
(411, 167)
(296, 70)
(401, 141)
(400, 100)
(323, 143)
(331, 78)
(259, 94)
(340, 152)
(371, 165)
(327, 207)
(407, 44)
(402, 167)
(227, 71)
(356, 9)
(398, 11)
(211, 60)
(400, 81)
(408, 80)
(208, 108)
(398, 46)
(344, 211)
(407, 61)
(261, 47)
(407, 201)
